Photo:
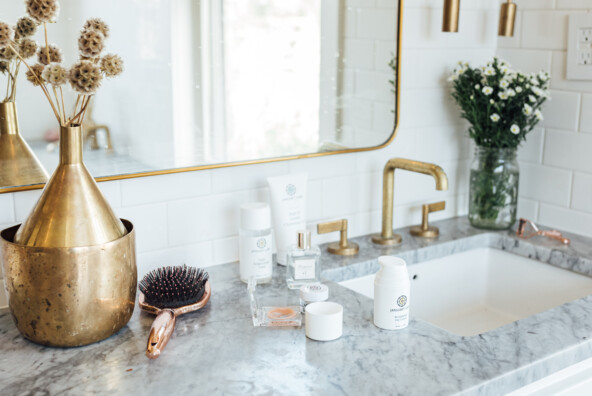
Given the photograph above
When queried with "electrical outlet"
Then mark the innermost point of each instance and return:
(579, 47)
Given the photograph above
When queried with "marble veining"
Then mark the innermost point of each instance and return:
(217, 350)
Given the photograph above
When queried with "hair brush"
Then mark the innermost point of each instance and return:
(169, 292)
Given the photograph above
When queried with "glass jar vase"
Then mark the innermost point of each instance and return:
(493, 194)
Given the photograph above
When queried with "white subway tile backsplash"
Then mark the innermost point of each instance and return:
(545, 184)
(325, 167)
(150, 223)
(205, 218)
(536, 4)
(581, 198)
(532, 149)
(144, 190)
(526, 61)
(566, 219)
(112, 192)
(586, 114)
(225, 250)
(6, 208)
(428, 107)
(546, 29)
(195, 255)
(561, 112)
(246, 177)
(435, 66)
(574, 4)
(568, 150)
(527, 208)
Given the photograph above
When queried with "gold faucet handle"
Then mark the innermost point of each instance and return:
(343, 247)
(425, 230)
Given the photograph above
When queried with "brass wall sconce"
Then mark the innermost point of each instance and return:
(450, 16)
(507, 19)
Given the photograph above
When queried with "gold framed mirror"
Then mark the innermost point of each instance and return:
(222, 83)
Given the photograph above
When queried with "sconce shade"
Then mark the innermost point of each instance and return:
(507, 18)
(450, 16)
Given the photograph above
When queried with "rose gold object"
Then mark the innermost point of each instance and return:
(164, 324)
(522, 232)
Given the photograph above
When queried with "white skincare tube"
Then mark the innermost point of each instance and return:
(288, 210)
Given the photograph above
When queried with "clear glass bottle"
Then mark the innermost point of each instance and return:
(255, 253)
(304, 266)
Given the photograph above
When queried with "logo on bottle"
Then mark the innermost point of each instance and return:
(291, 190)
(261, 243)
(401, 301)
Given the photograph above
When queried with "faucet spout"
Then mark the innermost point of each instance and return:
(387, 237)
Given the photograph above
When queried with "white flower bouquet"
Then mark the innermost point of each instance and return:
(501, 105)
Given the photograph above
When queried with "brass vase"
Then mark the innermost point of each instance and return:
(18, 164)
(70, 268)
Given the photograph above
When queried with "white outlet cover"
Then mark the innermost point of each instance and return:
(579, 47)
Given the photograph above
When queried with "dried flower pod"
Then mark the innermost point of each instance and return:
(91, 43)
(112, 65)
(97, 25)
(25, 27)
(27, 48)
(55, 55)
(5, 34)
(36, 75)
(4, 67)
(85, 77)
(7, 54)
(55, 74)
(43, 10)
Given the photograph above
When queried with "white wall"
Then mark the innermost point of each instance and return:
(192, 217)
(555, 163)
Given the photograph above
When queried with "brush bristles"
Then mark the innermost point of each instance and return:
(173, 287)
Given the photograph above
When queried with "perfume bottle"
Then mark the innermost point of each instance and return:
(303, 261)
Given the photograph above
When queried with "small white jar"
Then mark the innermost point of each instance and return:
(391, 294)
(255, 252)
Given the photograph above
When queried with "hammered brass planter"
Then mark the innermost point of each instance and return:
(70, 297)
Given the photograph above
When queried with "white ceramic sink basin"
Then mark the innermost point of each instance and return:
(479, 290)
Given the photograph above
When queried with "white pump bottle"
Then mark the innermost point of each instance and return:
(391, 294)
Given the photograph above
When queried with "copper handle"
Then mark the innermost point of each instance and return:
(160, 333)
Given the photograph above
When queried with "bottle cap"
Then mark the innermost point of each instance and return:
(255, 216)
(314, 293)
(303, 239)
(393, 266)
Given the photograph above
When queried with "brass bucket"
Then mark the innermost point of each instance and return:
(69, 297)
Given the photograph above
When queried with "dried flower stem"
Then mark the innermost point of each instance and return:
(16, 73)
(45, 91)
(61, 112)
(63, 106)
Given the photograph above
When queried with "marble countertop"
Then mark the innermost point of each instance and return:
(218, 351)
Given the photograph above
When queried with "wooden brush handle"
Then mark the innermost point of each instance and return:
(160, 332)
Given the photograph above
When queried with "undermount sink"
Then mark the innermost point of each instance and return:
(479, 290)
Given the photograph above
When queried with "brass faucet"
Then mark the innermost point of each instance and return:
(387, 237)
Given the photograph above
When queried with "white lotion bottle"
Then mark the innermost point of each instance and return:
(255, 254)
(391, 294)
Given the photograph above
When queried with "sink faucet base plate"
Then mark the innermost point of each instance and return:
(380, 240)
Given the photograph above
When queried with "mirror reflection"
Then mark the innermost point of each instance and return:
(219, 81)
